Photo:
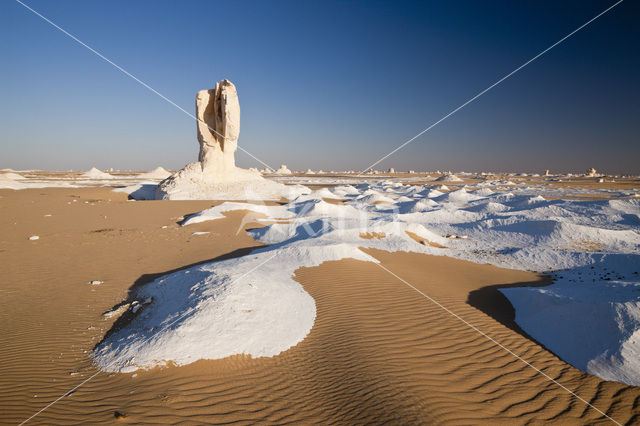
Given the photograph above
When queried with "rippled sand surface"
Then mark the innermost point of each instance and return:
(379, 352)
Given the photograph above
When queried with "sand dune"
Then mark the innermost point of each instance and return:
(378, 351)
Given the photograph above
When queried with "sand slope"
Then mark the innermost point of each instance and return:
(378, 352)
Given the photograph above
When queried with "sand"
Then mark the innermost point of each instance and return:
(378, 352)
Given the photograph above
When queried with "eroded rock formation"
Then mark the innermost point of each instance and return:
(215, 175)
(218, 113)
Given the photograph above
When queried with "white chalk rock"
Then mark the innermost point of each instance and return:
(157, 173)
(449, 177)
(11, 176)
(215, 175)
(94, 173)
(283, 170)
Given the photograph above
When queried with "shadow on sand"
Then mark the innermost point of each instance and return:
(493, 303)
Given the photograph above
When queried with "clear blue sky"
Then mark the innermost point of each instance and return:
(331, 85)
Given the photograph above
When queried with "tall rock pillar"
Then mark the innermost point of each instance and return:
(218, 113)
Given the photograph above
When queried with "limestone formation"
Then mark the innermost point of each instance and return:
(283, 170)
(591, 172)
(215, 175)
(448, 177)
(218, 113)
(94, 173)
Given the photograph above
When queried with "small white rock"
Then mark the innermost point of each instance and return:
(34, 237)
(96, 282)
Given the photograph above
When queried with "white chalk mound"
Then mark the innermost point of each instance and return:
(11, 176)
(594, 326)
(157, 173)
(283, 170)
(192, 183)
(215, 176)
(94, 173)
(209, 312)
(449, 177)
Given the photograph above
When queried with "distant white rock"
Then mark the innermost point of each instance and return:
(309, 172)
(391, 170)
(449, 177)
(283, 170)
(157, 173)
(591, 172)
(94, 173)
(11, 176)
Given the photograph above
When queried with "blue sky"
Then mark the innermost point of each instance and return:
(331, 85)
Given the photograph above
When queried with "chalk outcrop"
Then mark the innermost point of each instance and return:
(94, 173)
(11, 176)
(218, 114)
(449, 177)
(157, 173)
(215, 175)
(283, 170)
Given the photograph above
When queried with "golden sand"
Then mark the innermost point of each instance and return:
(379, 350)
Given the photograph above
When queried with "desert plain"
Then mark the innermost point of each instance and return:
(379, 351)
